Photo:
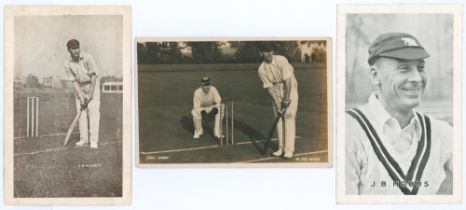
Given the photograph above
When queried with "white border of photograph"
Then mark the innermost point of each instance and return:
(342, 11)
(10, 13)
(329, 48)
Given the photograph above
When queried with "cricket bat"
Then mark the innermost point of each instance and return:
(270, 136)
(75, 121)
(73, 124)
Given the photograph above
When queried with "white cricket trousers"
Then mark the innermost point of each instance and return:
(197, 117)
(286, 132)
(89, 121)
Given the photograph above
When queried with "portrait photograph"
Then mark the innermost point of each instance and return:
(399, 104)
(67, 105)
(233, 102)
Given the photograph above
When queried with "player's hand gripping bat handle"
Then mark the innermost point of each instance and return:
(84, 105)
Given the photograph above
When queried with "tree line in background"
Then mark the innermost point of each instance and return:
(224, 52)
(32, 81)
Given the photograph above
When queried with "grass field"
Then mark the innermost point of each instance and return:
(165, 94)
(43, 167)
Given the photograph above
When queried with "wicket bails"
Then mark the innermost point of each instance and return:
(229, 116)
(32, 117)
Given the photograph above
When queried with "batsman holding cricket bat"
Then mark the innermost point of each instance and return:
(81, 69)
(278, 78)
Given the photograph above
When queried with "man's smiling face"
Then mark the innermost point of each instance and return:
(401, 83)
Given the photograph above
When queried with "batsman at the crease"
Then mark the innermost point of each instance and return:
(82, 70)
(277, 76)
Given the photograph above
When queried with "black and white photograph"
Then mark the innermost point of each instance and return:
(398, 104)
(233, 103)
(67, 97)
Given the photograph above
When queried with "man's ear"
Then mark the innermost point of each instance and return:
(374, 74)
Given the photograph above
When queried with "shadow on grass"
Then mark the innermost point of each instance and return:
(252, 134)
(188, 124)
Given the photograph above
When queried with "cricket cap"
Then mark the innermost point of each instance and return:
(396, 45)
(72, 44)
(205, 81)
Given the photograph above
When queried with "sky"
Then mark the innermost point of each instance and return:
(40, 43)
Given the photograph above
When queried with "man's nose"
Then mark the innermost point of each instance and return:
(415, 75)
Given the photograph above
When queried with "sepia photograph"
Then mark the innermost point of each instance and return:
(398, 104)
(67, 105)
(233, 102)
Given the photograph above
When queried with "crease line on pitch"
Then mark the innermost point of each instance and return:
(252, 142)
(203, 147)
(59, 149)
(181, 150)
(45, 135)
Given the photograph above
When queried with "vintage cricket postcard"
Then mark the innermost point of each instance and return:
(67, 105)
(233, 102)
(399, 104)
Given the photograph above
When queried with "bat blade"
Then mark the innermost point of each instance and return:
(73, 124)
(269, 138)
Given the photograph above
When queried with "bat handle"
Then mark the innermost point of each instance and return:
(84, 105)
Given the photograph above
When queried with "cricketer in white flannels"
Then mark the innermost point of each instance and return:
(82, 70)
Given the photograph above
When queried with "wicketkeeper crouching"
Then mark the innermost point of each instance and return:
(207, 100)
